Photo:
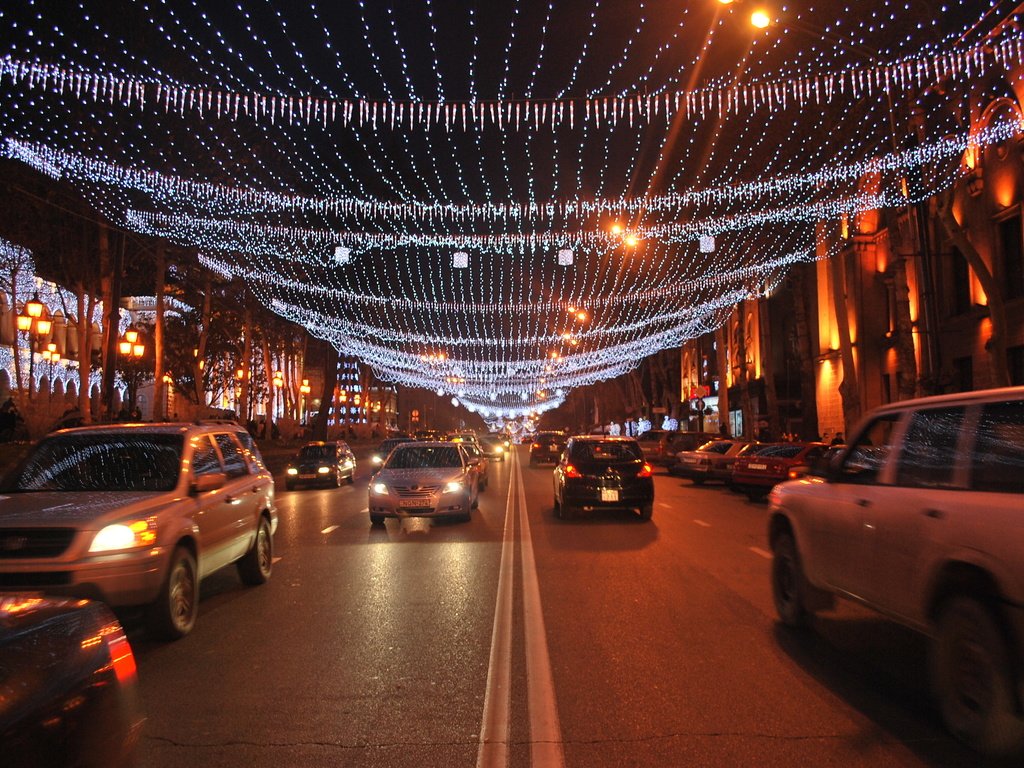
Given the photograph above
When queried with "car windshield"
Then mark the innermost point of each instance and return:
(317, 452)
(424, 457)
(387, 445)
(103, 462)
(610, 451)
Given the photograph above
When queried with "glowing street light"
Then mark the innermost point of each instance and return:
(760, 19)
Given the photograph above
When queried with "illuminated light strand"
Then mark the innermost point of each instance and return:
(808, 91)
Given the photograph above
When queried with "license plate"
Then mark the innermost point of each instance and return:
(307, 477)
(757, 466)
(414, 503)
(609, 494)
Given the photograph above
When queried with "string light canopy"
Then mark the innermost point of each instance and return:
(498, 207)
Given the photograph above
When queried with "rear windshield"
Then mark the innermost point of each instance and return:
(781, 451)
(715, 446)
(424, 457)
(610, 451)
(103, 462)
(317, 452)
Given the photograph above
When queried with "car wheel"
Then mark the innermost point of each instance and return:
(173, 614)
(558, 509)
(972, 679)
(646, 511)
(376, 519)
(352, 478)
(338, 480)
(255, 566)
(788, 582)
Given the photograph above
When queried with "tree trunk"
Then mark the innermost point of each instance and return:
(86, 306)
(906, 358)
(159, 387)
(268, 370)
(742, 379)
(17, 334)
(113, 319)
(331, 358)
(722, 365)
(996, 344)
(246, 366)
(771, 397)
(849, 388)
(198, 365)
(808, 383)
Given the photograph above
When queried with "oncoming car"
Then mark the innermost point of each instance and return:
(320, 463)
(379, 455)
(138, 514)
(432, 479)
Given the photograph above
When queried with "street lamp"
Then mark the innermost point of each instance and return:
(304, 390)
(278, 382)
(132, 350)
(37, 326)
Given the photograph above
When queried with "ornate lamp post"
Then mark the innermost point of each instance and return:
(278, 381)
(36, 325)
(132, 350)
(304, 390)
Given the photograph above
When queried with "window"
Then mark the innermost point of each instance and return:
(1013, 257)
(997, 462)
(870, 450)
(204, 458)
(1015, 364)
(234, 460)
(960, 276)
(928, 458)
(963, 374)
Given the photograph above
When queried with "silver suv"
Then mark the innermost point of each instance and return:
(921, 517)
(138, 515)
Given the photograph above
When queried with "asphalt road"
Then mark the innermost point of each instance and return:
(593, 642)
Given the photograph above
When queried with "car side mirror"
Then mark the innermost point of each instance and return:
(209, 482)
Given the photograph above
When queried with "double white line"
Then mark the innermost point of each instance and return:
(545, 731)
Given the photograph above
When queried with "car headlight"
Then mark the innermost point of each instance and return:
(292, 471)
(379, 488)
(453, 487)
(378, 460)
(499, 449)
(347, 464)
(127, 535)
(323, 470)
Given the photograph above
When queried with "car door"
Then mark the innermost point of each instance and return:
(215, 512)
(242, 497)
(836, 519)
(903, 522)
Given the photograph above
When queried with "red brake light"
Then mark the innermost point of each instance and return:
(645, 471)
(571, 471)
(536, 445)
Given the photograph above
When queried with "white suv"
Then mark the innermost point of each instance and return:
(138, 514)
(922, 519)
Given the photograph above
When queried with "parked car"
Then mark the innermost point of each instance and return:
(321, 463)
(381, 453)
(759, 469)
(424, 479)
(68, 685)
(660, 446)
(546, 447)
(603, 472)
(138, 514)
(494, 447)
(711, 461)
(922, 519)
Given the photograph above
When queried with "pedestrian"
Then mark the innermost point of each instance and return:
(838, 439)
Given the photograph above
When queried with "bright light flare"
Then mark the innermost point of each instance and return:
(760, 19)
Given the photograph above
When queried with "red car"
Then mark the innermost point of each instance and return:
(757, 471)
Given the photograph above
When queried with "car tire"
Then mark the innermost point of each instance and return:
(173, 614)
(376, 520)
(338, 480)
(255, 566)
(972, 679)
(352, 478)
(466, 516)
(788, 582)
(646, 511)
(558, 509)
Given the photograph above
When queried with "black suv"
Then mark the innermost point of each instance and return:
(603, 472)
(320, 463)
(546, 447)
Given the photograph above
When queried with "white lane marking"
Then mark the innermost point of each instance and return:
(329, 528)
(545, 729)
(701, 523)
(663, 504)
(364, 511)
(274, 560)
(761, 552)
(494, 726)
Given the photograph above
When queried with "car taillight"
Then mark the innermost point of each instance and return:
(536, 445)
(571, 471)
(121, 656)
(645, 471)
